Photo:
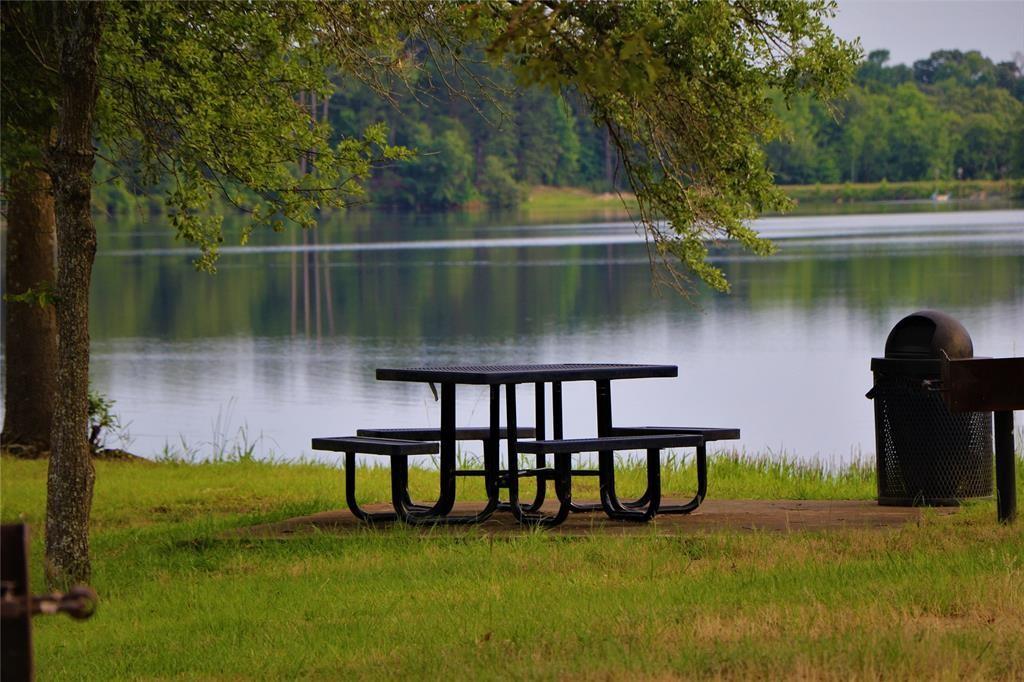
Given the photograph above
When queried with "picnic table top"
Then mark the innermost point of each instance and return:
(514, 374)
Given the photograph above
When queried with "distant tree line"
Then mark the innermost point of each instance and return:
(484, 148)
(952, 115)
(485, 140)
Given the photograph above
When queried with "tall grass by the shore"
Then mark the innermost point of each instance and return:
(944, 190)
(553, 200)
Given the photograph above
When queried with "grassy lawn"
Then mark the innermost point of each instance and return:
(569, 203)
(897, 191)
(560, 202)
(943, 599)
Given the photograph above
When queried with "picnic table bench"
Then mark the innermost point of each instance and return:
(401, 443)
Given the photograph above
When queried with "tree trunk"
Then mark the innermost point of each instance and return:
(70, 482)
(31, 329)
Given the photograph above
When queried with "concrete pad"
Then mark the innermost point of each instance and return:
(713, 515)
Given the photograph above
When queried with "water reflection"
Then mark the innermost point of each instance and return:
(313, 269)
(286, 336)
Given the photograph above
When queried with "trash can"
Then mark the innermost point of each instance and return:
(926, 455)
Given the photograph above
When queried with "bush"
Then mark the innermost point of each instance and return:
(102, 422)
(497, 186)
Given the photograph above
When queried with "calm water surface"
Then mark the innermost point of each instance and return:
(281, 345)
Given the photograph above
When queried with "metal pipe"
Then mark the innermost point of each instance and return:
(447, 501)
(606, 458)
(1006, 478)
(556, 409)
(492, 447)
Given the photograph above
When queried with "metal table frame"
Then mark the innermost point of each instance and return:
(509, 376)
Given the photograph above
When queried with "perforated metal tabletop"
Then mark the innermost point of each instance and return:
(520, 374)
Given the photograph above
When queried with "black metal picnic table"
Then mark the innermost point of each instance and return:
(510, 376)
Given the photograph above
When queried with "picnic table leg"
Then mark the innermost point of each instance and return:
(446, 469)
(556, 410)
(702, 489)
(558, 433)
(702, 486)
(541, 460)
(492, 449)
(350, 493)
(492, 444)
(605, 458)
(413, 506)
(616, 511)
(638, 502)
(490, 466)
(513, 455)
(447, 465)
(399, 484)
(491, 470)
(563, 481)
(563, 463)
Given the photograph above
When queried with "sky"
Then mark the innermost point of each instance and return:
(913, 29)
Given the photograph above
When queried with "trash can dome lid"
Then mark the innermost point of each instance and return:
(927, 334)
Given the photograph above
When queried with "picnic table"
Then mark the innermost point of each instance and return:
(401, 443)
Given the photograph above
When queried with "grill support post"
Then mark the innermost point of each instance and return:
(16, 639)
(1006, 478)
(18, 605)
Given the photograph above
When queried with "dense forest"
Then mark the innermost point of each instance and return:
(954, 115)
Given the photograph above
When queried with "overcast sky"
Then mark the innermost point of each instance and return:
(913, 29)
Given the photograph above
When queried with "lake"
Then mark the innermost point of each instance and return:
(281, 344)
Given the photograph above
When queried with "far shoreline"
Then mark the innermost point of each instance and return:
(567, 203)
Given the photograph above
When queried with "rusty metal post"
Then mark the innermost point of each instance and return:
(16, 628)
(17, 605)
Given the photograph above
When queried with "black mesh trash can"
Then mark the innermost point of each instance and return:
(926, 454)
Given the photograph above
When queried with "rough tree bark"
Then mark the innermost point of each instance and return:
(70, 480)
(30, 354)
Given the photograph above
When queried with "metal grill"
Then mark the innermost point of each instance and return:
(926, 454)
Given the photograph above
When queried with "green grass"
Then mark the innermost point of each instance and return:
(942, 599)
(897, 191)
(569, 203)
(574, 203)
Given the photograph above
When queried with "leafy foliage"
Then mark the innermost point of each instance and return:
(497, 184)
(204, 94)
(42, 296)
(953, 115)
(29, 109)
(102, 420)
(208, 99)
(207, 92)
(683, 91)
